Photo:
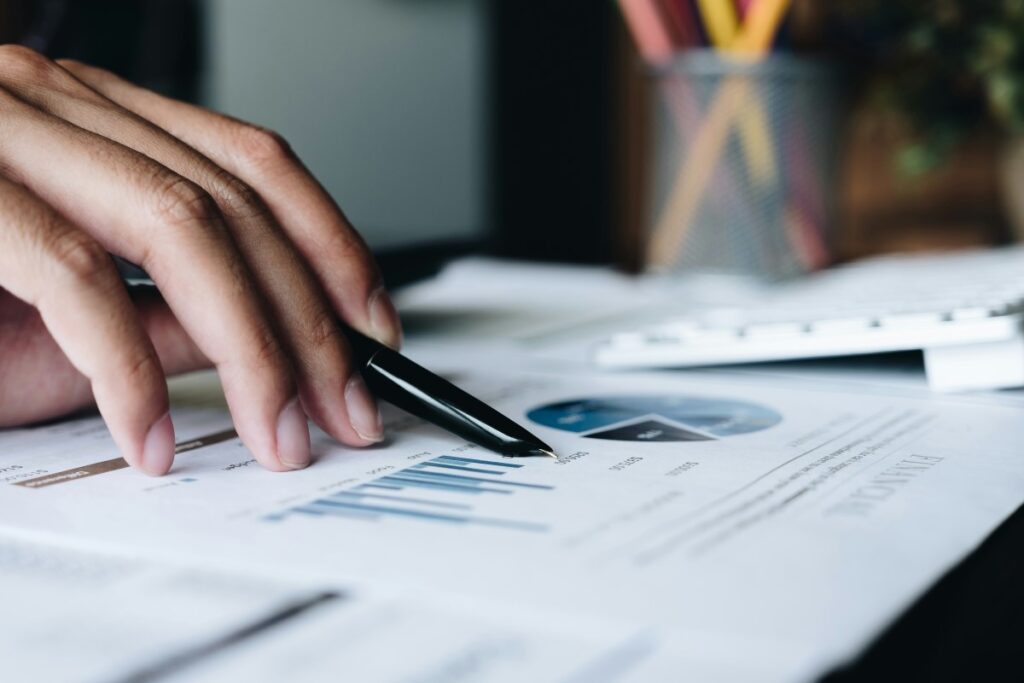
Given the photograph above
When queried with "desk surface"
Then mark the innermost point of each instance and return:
(966, 628)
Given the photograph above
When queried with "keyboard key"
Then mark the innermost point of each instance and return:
(774, 330)
(713, 335)
(842, 325)
(904, 320)
(971, 313)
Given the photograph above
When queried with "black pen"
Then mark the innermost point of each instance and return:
(416, 390)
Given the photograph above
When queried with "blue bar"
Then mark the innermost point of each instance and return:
(457, 467)
(441, 477)
(375, 485)
(428, 484)
(375, 511)
(523, 526)
(378, 510)
(462, 477)
(474, 461)
(330, 507)
(399, 499)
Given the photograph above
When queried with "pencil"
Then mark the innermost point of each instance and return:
(761, 25)
(682, 23)
(675, 220)
(649, 32)
(720, 21)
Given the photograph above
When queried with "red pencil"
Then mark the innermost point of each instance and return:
(682, 23)
(649, 31)
(743, 6)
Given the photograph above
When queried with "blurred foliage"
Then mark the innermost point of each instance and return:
(950, 67)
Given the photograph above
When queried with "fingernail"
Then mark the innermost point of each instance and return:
(362, 410)
(158, 449)
(293, 436)
(384, 321)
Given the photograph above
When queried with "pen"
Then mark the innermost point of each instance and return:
(418, 391)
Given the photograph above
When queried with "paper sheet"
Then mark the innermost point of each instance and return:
(77, 614)
(722, 513)
(74, 614)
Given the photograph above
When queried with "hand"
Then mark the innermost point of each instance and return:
(253, 260)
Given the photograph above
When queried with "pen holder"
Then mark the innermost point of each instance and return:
(743, 169)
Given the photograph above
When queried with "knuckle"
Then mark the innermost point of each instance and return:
(81, 258)
(177, 201)
(267, 352)
(346, 247)
(8, 99)
(235, 198)
(77, 67)
(261, 147)
(322, 327)
(85, 78)
(143, 370)
(71, 64)
(25, 64)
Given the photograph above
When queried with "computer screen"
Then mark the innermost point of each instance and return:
(384, 101)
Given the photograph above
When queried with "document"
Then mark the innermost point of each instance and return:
(78, 614)
(707, 514)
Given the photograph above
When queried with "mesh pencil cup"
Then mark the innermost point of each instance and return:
(743, 166)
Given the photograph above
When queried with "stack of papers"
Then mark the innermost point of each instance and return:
(711, 526)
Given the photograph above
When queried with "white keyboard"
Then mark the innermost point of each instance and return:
(964, 310)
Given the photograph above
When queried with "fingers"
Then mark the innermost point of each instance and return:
(315, 224)
(30, 357)
(139, 209)
(175, 349)
(70, 279)
(331, 389)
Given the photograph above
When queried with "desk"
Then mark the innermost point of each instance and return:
(966, 628)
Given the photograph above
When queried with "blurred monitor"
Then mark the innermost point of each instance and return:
(384, 100)
(439, 125)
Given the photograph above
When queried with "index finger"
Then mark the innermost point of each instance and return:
(172, 228)
(320, 231)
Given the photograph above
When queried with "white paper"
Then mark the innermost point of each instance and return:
(792, 543)
(73, 614)
(77, 614)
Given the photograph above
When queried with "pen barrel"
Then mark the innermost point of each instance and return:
(411, 387)
(394, 378)
(420, 392)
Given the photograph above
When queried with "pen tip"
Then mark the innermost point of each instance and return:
(526, 449)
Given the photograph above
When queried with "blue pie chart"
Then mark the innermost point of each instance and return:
(655, 418)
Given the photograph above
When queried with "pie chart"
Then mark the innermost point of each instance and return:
(655, 418)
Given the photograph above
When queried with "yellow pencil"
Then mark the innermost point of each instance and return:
(694, 174)
(756, 142)
(674, 223)
(720, 21)
(760, 27)
(754, 40)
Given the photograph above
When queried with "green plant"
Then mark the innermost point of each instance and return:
(949, 67)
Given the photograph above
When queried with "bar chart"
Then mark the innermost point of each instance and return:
(447, 489)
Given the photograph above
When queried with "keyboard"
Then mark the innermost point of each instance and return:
(963, 310)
